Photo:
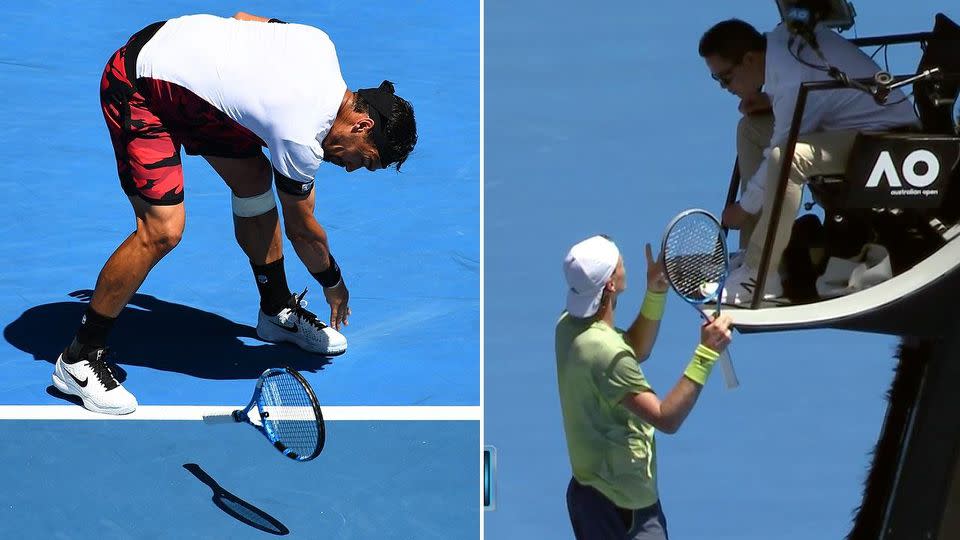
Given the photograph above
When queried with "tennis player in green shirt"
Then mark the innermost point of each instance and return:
(610, 411)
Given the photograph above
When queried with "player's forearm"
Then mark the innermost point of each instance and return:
(678, 404)
(312, 248)
(308, 237)
(683, 396)
(642, 334)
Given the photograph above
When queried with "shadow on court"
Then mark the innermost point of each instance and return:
(161, 335)
(236, 507)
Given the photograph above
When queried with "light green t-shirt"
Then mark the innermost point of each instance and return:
(610, 448)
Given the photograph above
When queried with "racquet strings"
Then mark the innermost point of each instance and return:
(288, 414)
(695, 257)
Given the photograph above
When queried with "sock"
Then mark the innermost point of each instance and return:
(92, 335)
(272, 284)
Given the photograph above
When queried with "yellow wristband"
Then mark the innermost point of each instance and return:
(653, 305)
(701, 364)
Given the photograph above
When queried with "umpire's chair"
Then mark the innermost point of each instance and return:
(902, 189)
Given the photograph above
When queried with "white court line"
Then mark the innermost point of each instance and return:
(196, 412)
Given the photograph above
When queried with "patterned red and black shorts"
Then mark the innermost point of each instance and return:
(150, 120)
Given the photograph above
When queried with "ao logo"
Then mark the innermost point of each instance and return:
(885, 167)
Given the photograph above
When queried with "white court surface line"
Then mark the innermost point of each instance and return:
(196, 412)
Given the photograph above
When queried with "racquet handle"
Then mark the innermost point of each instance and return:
(729, 375)
(219, 419)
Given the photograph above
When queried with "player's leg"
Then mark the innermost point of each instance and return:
(159, 230)
(282, 316)
(82, 370)
(648, 524)
(148, 163)
(256, 224)
(593, 516)
(255, 216)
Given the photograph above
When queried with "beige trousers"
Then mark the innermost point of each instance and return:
(821, 153)
(753, 137)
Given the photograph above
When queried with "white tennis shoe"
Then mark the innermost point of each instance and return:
(93, 381)
(294, 324)
(709, 289)
(737, 258)
(742, 283)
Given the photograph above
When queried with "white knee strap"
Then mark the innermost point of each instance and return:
(254, 206)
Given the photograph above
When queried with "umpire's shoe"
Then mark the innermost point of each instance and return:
(298, 326)
(92, 379)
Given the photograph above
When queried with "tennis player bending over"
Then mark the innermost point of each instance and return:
(224, 88)
(610, 411)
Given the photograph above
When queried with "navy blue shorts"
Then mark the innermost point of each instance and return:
(595, 517)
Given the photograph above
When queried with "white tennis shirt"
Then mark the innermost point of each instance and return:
(826, 110)
(280, 81)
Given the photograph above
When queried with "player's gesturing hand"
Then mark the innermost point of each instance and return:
(656, 274)
(338, 297)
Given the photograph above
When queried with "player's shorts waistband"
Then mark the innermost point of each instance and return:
(134, 45)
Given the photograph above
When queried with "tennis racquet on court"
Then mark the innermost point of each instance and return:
(286, 411)
(697, 264)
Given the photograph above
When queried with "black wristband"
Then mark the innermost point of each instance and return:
(277, 21)
(331, 277)
(290, 186)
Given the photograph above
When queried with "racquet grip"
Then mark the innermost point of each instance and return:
(729, 375)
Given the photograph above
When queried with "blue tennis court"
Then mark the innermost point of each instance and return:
(117, 479)
(408, 243)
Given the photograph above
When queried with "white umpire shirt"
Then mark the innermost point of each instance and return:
(826, 110)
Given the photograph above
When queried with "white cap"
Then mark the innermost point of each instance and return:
(587, 268)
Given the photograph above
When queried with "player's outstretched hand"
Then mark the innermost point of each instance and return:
(656, 273)
(716, 334)
(338, 297)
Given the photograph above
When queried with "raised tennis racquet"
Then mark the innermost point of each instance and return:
(286, 411)
(697, 264)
